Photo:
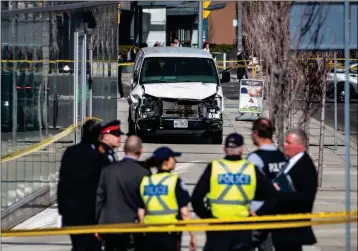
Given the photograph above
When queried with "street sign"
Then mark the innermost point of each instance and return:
(206, 13)
(251, 99)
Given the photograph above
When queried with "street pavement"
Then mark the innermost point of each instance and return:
(196, 154)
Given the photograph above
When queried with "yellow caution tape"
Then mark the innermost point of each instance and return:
(250, 60)
(114, 61)
(144, 228)
(38, 146)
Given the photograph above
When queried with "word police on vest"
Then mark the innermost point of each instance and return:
(234, 179)
(155, 190)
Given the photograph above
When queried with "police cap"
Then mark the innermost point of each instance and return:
(163, 153)
(234, 140)
(113, 127)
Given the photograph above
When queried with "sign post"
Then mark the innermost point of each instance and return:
(251, 99)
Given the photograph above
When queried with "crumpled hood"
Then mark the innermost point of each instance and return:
(194, 90)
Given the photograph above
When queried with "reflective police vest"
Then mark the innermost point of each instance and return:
(232, 188)
(158, 194)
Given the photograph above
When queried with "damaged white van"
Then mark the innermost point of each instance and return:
(176, 91)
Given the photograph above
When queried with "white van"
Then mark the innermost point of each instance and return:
(176, 90)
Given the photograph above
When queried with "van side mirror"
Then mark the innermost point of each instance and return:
(225, 77)
(135, 76)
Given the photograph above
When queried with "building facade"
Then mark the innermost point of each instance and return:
(220, 25)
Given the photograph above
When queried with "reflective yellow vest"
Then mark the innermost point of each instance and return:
(158, 194)
(232, 188)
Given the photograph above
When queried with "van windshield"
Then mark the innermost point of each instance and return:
(178, 69)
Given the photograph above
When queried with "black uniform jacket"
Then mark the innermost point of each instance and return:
(265, 191)
(304, 179)
(79, 175)
(118, 197)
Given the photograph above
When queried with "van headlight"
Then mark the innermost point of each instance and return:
(213, 104)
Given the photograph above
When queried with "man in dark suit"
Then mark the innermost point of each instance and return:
(76, 193)
(241, 70)
(302, 172)
(118, 197)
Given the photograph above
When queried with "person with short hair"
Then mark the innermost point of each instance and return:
(118, 198)
(297, 194)
(165, 199)
(269, 160)
(229, 185)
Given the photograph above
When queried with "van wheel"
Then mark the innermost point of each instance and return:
(217, 137)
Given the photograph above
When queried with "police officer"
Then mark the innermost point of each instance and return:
(110, 139)
(229, 185)
(165, 200)
(76, 193)
(270, 160)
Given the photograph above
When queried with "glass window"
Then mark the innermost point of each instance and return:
(178, 69)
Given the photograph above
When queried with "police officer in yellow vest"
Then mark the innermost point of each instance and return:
(165, 200)
(225, 191)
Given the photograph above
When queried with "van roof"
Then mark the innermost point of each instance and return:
(175, 52)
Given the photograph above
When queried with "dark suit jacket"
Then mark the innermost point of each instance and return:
(78, 180)
(118, 197)
(304, 178)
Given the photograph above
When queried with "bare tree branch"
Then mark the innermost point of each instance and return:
(292, 75)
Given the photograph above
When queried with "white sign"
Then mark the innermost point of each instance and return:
(234, 22)
(251, 96)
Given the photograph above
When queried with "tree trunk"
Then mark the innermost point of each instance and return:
(321, 136)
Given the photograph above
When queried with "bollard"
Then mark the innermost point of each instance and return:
(253, 71)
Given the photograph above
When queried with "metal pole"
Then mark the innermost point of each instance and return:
(346, 120)
(83, 78)
(200, 25)
(224, 61)
(239, 25)
(90, 77)
(14, 76)
(335, 101)
(75, 83)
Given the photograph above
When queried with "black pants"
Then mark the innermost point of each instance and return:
(262, 241)
(125, 242)
(240, 74)
(288, 247)
(163, 241)
(117, 242)
(85, 242)
(228, 241)
(120, 85)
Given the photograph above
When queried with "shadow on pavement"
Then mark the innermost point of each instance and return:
(176, 139)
